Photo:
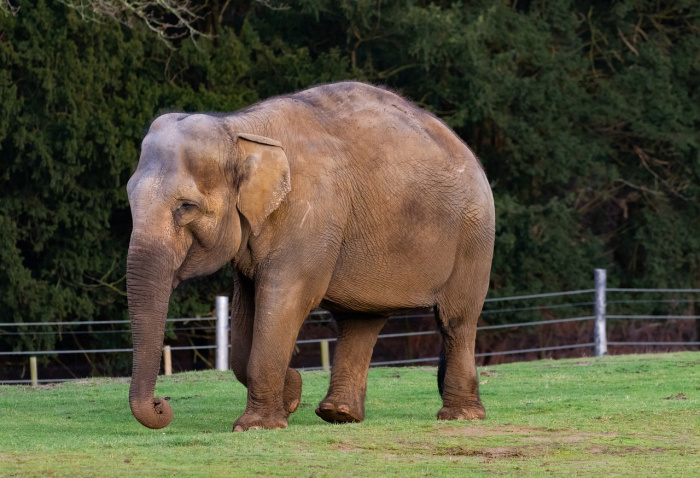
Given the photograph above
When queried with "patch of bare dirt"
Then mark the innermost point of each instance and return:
(486, 452)
(619, 451)
(92, 382)
(528, 434)
(542, 450)
(680, 396)
(597, 450)
(572, 438)
(348, 447)
(184, 398)
(45, 386)
(485, 431)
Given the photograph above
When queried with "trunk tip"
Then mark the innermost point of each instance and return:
(155, 413)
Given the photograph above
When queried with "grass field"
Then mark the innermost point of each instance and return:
(634, 415)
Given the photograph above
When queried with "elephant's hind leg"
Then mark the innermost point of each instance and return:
(457, 313)
(345, 401)
(292, 390)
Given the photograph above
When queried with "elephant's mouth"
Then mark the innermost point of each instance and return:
(176, 281)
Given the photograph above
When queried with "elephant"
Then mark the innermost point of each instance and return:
(344, 196)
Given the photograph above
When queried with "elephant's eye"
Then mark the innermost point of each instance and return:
(186, 213)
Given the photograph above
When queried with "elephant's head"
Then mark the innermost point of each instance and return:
(199, 188)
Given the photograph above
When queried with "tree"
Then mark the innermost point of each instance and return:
(584, 114)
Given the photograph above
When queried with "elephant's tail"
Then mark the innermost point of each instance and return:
(442, 366)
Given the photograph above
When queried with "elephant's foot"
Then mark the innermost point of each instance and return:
(292, 390)
(339, 413)
(474, 412)
(255, 421)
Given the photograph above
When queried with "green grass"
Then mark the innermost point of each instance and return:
(587, 417)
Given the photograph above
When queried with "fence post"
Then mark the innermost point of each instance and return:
(325, 356)
(222, 318)
(33, 373)
(601, 339)
(167, 360)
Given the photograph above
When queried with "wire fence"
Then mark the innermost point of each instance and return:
(597, 343)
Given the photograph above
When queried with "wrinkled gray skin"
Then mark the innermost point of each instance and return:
(343, 196)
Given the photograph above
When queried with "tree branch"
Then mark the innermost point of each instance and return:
(170, 19)
(7, 8)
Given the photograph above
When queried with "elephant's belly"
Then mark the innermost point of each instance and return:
(399, 248)
(362, 299)
(377, 285)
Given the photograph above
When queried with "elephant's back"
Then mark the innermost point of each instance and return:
(362, 113)
(363, 126)
(412, 190)
(392, 145)
(387, 157)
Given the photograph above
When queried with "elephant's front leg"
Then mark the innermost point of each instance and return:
(242, 320)
(278, 318)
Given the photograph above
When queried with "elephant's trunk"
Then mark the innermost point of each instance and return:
(149, 279)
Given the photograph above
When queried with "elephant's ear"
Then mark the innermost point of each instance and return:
(264, 178)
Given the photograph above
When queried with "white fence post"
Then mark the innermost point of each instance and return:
(325, 356)
(167, 360)
(222, 318)
(33, 373)
(601, 339)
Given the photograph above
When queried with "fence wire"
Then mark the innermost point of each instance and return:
(96, 322)
(97, 351)
(321, 316)
(536, 322)
(536, 307)
(651, 301)
(681, 291)
(538, 296)
(660, 317)
(654, 343)
(99, 332)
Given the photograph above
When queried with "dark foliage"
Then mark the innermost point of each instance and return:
(586, 116)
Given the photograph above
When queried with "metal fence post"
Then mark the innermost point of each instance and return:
(222, 318)
(601, 339)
